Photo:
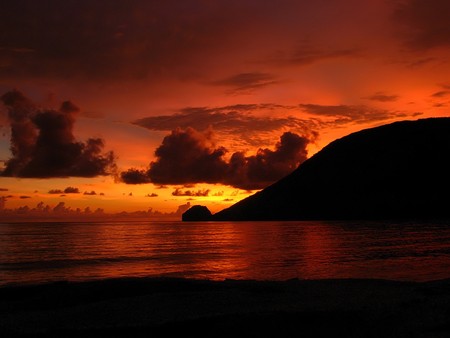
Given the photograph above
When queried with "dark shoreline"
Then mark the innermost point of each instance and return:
(231, 308)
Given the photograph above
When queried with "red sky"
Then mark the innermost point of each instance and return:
(223, 97)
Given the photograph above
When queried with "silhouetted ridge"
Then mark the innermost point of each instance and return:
(400, 170)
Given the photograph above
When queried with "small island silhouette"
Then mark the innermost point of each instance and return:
(395, 171)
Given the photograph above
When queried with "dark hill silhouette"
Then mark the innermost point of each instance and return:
(399, 170)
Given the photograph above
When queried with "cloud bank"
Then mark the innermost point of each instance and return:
(189, 156)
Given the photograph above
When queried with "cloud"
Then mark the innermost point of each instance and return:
(239, 119)
(134, 176)
(441, 93)
(24, 197)
(182, 208)
(90, 193)
(307, 54)
(382, 97)
(4, 189)
(71, 190)
(61, 208)
(43, 144)
(353, 114)
(425, 23)
(151, 195)
(68, 190)
(246, 82)
(198, 193)
(55, 191)
(189, 157)
(267, 166)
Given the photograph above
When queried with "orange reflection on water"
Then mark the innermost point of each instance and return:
(36, 252)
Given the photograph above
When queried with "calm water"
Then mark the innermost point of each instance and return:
(40, 252)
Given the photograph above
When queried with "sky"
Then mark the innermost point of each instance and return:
(148, 107)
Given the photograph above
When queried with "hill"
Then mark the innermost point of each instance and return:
(399, 170)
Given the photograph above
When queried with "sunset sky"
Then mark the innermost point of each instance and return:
(139, 104)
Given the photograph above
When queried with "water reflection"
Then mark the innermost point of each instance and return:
(35, 252)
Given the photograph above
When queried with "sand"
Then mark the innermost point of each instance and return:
(160, 307)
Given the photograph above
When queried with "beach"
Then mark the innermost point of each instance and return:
(138, 307)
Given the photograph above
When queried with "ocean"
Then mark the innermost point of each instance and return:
(39, 252)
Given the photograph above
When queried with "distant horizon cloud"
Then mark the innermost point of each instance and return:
(192, 193)
(68, 190)
(44, 211)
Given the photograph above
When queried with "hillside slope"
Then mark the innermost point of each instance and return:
(399, 170)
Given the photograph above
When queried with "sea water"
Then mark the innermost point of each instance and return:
(37, 252)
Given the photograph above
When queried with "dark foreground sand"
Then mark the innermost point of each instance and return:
(192, 308)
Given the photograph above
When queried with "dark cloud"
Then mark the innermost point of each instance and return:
(90, 193)
(238, 119)
(188, 156)
(267, 166)
(382, 97)
(43, 144)
(354, 114)
(151, 195)
(420, 62)
(441, 93)
(55, 191)
(71, 190)
(425, 22)
(135, 176)
(246, 82)
(61, 208)
(24, 197)
(198, 193)
(4, 189)
(68, 190)
(307, 54)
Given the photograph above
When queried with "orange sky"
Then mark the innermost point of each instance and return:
(211, 81)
